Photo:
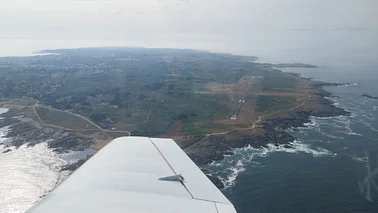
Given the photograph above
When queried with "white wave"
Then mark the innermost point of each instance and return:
(357, 111)
(343, 119)
(311, 124)
(367, 124)
(231, 179)
(348, 85)
(349, 131)
(3, 110)
(316, 124)
(215, 164)
(342, 123)
(353, 133)
(368, 116)
(359, 159)
(334, 101)
(297, 147)
(318, 121)
(375, 108)
(331, 136)
(322, 118)
(231, 166)
(3, 132)
(299, 130)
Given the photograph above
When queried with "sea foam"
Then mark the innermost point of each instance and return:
(232, 166)
(348, 85)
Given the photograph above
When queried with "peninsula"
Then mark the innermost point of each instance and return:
(209, 103)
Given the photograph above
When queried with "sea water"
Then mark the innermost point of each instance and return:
(321, 174)
(325, 170)
(30, 172)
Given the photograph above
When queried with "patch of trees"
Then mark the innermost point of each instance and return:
(120, 99)
(154, 86)
(98, 117)
(185, 115)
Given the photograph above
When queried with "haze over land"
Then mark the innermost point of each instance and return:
(273, 30)
(337, 35)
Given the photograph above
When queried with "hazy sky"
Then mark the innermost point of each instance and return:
(201, 24)
(105, 19)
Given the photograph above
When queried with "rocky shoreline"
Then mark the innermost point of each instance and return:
(23, 131)
(370, 96)
(299, 118)
(214, 148)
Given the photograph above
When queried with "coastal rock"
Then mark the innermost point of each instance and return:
(319, 85)
(25, 133)
(22, 132)
(216, 181)
(74, 166)
(290, 65)
(6, 151)
(370, 96)
(70, 143)
(213, 148)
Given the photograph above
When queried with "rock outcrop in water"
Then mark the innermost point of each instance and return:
(370, 96)
(299, 118)
(74, 166)
(218, 183)
(213, 148)
(6, 151)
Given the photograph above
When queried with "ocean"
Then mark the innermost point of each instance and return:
(323, 172)
(29, 173)
(330, 160)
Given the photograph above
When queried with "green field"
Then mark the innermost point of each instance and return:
(148, 91)
(274, 103)
(63, 119)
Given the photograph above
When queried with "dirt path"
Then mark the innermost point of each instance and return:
(149, 113)
(279, 111)
(148, 116)
(77, 115)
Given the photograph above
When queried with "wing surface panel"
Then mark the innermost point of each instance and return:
(197, 183)
(124, 177)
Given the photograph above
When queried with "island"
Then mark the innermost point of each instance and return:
(290, 65)
(209, 103)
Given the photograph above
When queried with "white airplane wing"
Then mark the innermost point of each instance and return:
(137, 175)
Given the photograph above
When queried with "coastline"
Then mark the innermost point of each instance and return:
(268, 127)
(41, 158)
(22, 131)
(214, 148)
